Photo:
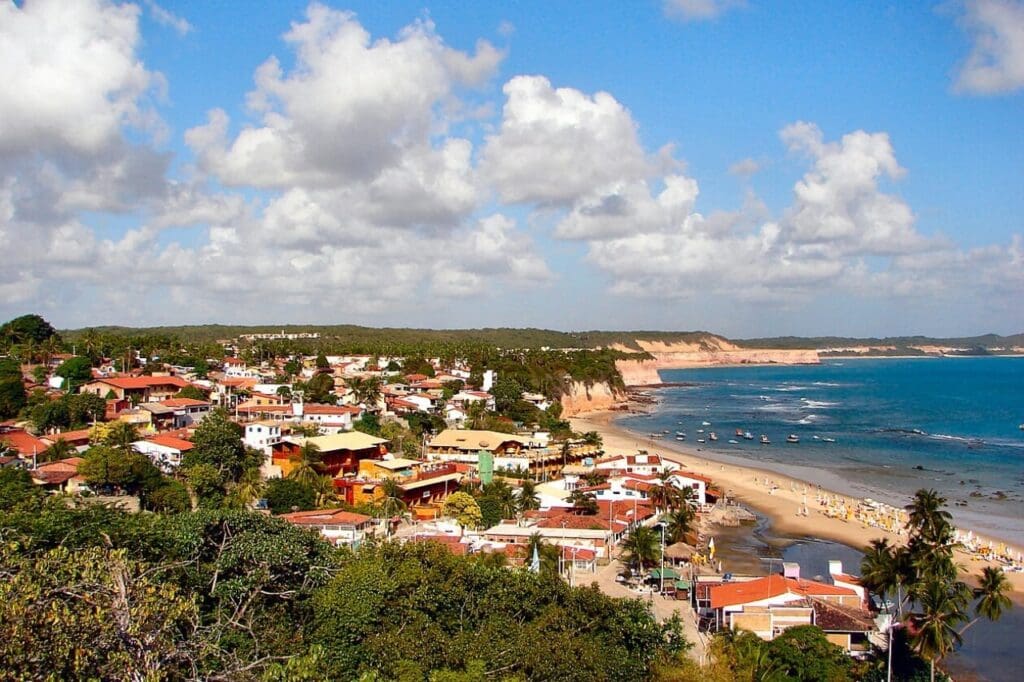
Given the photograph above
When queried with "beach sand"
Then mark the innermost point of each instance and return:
(777, 500)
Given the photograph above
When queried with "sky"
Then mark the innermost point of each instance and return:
(746, 167)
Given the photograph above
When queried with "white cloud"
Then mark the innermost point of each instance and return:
(996, 62)
(169, 19)
(700, 10)
(745, 167)
(557, 145)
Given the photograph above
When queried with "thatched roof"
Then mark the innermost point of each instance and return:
(679, 550)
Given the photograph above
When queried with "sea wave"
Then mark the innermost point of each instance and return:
(817, 404)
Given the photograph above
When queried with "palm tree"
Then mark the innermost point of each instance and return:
(325, 493)
(642, 546)
(61, 449)
(391, 503)
(548, 554)
(664, 494)
(307, 464)
(928, 519)
(992, 598)
(679, 523)
(121, 435)
(934, 633)
(249, 487)
(528, 497)
(502, 492)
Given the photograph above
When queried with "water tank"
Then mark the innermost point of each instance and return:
(485, 459)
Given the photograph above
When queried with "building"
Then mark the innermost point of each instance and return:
(142, 389)
(164, 450)
(27, 446)
(327, 417)
(508, 452)
(262, 435)
(339, 453)
(60, 476)
(336, 526)
(640, 463)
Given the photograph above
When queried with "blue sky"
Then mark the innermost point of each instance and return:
(749, 168)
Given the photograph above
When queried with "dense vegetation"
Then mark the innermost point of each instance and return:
(95, 593)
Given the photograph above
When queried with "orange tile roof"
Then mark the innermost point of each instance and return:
(185, 402)
(171, 442)
(24, 442)
(731, 594)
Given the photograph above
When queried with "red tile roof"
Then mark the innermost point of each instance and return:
(185, 402)
(731, 594)
(24, 442)
(129, 383)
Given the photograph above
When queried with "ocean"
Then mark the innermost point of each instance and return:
(951, 424)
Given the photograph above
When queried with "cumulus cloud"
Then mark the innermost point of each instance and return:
(996, 62)
(556, 145)
(700, 10)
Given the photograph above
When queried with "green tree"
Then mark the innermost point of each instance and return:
(528, 497)
(391, 503)
(285, 495)
(77, 370)
(218, 442)
(368, 423)
(17, 491)
(320, 389)
(321, 362)
(171, 497)
(941, 608)
(60, 449)
(193, 392)
(583, 502)
(108, 467)
(680, 522)
(642, 546)
(506, 393)
(464, 509)
(12, 390)
(804, 653)
(306, 466)
(26, 328)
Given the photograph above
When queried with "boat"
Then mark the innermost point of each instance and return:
(828, 440)
(700, 430)
(680, 437)
(705, 423)
(712, 436)
(733, 441)
(700, 440)
(680, 433)
(816, 437)
(747, 435)
(764, 440)
(792, 438)
(665, 431)
(739, 433)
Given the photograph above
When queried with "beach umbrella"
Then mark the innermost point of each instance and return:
(711, 548)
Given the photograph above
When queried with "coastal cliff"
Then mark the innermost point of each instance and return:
(710, 350)
(582, 398)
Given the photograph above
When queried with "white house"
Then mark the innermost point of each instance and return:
(262, 435)
(335, 525)
(165, 451)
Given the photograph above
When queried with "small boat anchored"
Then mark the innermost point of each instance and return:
(764, 440)
(733, 441)
(747, 435)
(712, 436)
(828, 440)
(792, 438)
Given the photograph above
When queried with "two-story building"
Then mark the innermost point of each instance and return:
(335, 525)
(141, 389)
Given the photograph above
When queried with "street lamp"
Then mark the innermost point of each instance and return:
(662, 526)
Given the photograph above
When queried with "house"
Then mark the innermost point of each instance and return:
(771, 604)
(508, 452)
(339, 453)
(262, 435)
(24, 443)
(466, 398)
(164, 450)
(61, 476)
(327, 417)
(336, 526)
(141, 389)
(640, 463)
(188, 411)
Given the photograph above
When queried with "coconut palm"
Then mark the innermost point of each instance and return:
(679, 523)
(992, 598)
(249, 487)
(928, 519)
(642, 545)
(528, 497)
(121, 435)
(934, 631)
(61, 449)
(306, 467)
(326, 496)
(664, 494)
(502, 493)
(391, 503)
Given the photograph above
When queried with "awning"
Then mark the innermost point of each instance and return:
(682, 584)
(669, 574)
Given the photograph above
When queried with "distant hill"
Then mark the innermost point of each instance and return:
(506, 337)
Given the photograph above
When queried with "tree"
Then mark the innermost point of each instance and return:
(583, 502)
(60, 449)
(679, 523)
(171, 497)
(76, 370)
(193, 392)
(105, 466)
(17, 491)
(528, 497)
(365, 390)
(249, 487)
(26, 328)
(642, 546)
(464, 509)
(12, 390)
(991, 593)
(546, 553)
(369, 423)
(286, 495)
(940, 611)
(391, 502)
(306, 464)
(804, 654)
(218, 442)
(927, 518)
(120, 436)
(320, 389)
(506, 392)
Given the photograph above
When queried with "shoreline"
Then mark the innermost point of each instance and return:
(776, 496)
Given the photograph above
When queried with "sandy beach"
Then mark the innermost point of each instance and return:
(777, 496)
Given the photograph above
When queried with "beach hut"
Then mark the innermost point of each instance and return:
(679, 552)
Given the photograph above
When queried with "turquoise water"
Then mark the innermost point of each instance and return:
(951, 424)
(956, 418)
